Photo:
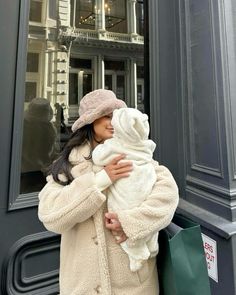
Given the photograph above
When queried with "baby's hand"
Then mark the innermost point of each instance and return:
(112, 223)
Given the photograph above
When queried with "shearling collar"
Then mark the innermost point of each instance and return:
(78, 154)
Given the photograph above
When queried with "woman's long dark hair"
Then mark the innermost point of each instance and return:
(62, 164)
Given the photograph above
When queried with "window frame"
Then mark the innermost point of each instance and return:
(16, 200)
(43, 14)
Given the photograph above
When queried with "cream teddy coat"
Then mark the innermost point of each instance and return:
(131, 130)
(90, 260)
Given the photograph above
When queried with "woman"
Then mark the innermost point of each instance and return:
(73, 203)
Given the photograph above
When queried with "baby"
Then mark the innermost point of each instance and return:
(130, 137)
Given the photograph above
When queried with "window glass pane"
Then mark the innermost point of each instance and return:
(35, 11)
(52, 9)
(40, 141)
(72, 3)
(60, 72)
(140, 72)
(50, 63)
(108, 82)
(120, 88)
(73, 89)
(81, 63)
(32, 62)
(87, 83)
(38, 149)
(115, 77)
(30, 91)
(140, 17)
(140, 97)
(85, 16)
(140, 87)
(114, 65)
(116, 16)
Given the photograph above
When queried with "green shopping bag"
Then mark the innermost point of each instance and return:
(181, 260)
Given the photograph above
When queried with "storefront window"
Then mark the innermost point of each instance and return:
(40, 143)
(61, 68)
(116, 16)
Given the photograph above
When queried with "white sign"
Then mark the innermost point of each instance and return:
(210, 249)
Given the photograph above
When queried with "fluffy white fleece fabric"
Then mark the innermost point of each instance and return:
(131, 130)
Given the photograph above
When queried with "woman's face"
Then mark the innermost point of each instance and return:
(102, 128)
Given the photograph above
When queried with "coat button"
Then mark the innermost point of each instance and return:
(95, 240)
(98, 289)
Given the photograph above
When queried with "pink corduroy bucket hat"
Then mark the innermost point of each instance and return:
(95, 105)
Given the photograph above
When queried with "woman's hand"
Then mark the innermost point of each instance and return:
(113, 224)
(116, 170)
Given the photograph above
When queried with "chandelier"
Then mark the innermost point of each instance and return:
(88, 18)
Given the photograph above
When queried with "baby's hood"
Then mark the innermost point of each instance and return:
(130, 125)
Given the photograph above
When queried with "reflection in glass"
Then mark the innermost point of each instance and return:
(140, 72)
(35, 14)
(87, 83)
(32, 62)
(30, 91)
(64, 63)
(120, 88)
(81, 63)
(140, 96)
(39, 145)
(115, 65)
(40, 136)
(140, 88)
(116, 16)
(80, 82)
(140, 17)
(73, 89)
(49, 76)
(52, 7)
(115, 77)
(108, 82)
(84, 14)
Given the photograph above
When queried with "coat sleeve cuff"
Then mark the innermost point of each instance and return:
(102, 180)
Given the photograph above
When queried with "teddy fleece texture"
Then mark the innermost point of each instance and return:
(131, 130)
(90, 260)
